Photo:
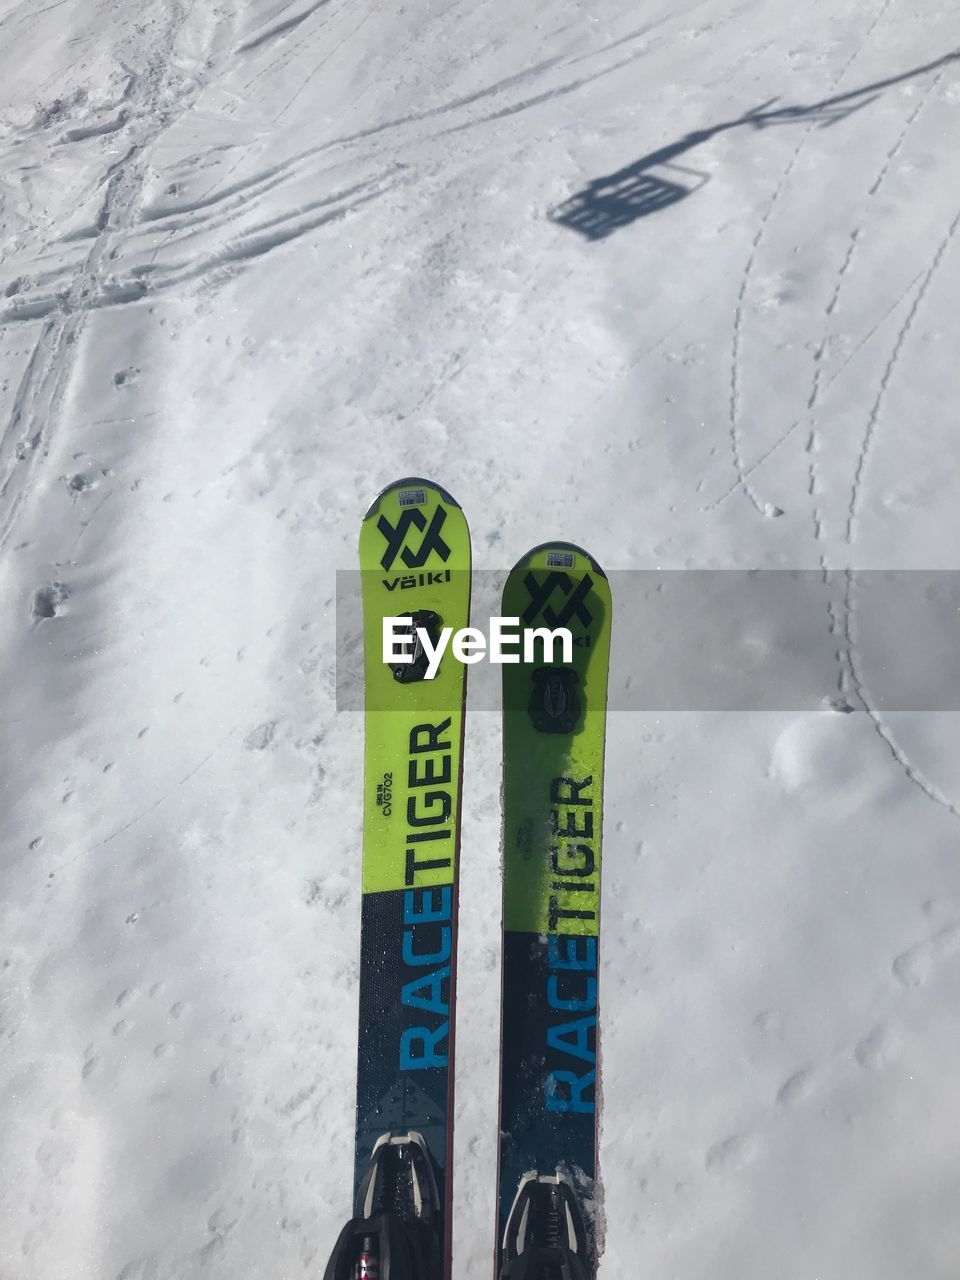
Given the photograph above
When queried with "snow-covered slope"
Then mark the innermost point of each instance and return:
(676, 282)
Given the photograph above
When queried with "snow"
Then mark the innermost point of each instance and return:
(258, 261)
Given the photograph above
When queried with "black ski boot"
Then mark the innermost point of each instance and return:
(393, 1234)
(545, 1238)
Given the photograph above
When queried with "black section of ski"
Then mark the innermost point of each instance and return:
(548, 1062)
(404, 1045)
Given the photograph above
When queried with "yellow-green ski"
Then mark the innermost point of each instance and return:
(415, 564)
(554, 718)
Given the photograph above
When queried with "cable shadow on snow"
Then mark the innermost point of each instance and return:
(606, 204)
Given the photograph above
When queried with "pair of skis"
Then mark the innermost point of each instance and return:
(415, 563)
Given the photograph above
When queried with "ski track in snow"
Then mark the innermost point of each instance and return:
(230, 205)
(224, 204)
(154, 100)
(282, 28)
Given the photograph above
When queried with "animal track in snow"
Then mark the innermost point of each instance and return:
(299, 1098)
(874, 1049)
(309, 663)
(319, 778)
(54, 1156)
(795, 1088)
(750, 282)
(732, 1150)
(856, 490)
(262, 737)
(78, 483)
(915, 966)
(317, 892)
(871, 1052)
(49, 600)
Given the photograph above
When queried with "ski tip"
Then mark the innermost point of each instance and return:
(411, 482)
(561, 546)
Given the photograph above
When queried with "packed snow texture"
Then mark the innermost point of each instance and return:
(676, 282)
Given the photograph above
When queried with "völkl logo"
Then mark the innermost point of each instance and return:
(396, 536)
(573, 606)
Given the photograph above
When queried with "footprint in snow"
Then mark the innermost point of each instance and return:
(49, 600)
(912, 968)
(78, 484)
(873, 1051)
(260, 738)
(795, 1088)
(731, 1151)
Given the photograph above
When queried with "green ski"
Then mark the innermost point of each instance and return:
(415, 564)
(554, 716)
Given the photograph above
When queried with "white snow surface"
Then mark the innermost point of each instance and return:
(258, 260)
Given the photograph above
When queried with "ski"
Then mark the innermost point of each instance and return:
(554, 716)
(415, 565)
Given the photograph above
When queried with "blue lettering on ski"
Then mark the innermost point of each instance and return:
(423, 1047)
(572, 988)
(427, 992)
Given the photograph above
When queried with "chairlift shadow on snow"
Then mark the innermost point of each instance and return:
(606, 204)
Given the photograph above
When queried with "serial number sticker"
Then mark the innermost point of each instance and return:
(413, 497)
(560, 559)
(385, 794)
